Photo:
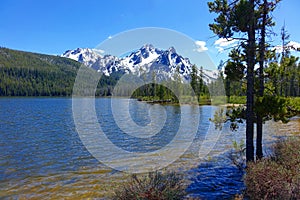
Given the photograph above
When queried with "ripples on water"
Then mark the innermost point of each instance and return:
(42, 155)
(217, 179)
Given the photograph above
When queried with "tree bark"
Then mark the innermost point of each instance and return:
(262, 48)
(250, 85)
(228, 89)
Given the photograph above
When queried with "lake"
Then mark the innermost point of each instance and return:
(42, 154)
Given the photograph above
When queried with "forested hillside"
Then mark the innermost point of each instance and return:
(32, 74)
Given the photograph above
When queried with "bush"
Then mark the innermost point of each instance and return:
(237, 99)
(154, 186)
(277, 177)
(287, 153)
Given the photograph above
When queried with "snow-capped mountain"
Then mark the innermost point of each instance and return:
(84, 55)
(146, 60)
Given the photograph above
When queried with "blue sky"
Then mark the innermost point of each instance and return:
(54, 26)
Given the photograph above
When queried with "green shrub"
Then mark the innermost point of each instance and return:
(295, 103)
(237, 99)
(277, 177)
(153, 186)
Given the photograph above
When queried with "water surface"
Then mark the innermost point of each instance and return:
(43, 156)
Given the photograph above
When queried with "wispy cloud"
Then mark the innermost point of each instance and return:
(291, 46)
(99, 51)
(201, 46)
(223, 43)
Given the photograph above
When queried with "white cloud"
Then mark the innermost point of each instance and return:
(222, 43)
(99, 51)
(294, 46)
(201, 46)
(291, 46)
(109, 37)
(278, 49)
(220, 49)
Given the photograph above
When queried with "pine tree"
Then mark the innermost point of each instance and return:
(239, 17)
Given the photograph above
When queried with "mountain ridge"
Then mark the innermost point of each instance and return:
(147, 59)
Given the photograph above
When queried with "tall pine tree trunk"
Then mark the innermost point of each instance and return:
(250, 85)
(228, 89)
(262, 48)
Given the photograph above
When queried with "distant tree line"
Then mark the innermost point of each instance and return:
(281, 76)
(174, 89)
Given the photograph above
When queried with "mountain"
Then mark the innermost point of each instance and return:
(83, 55)
(147, 59)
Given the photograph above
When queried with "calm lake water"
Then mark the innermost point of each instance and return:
(42, 155)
